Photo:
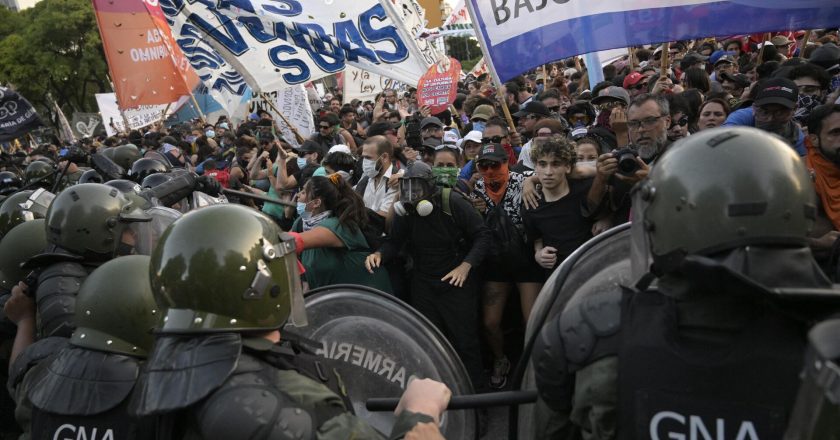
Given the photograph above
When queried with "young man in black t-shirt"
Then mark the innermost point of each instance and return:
(557, 226)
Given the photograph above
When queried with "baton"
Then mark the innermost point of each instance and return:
(469, 401)
(234, 192)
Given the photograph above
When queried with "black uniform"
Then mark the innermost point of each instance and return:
(437, 244)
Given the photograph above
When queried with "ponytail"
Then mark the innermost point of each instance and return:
(338, 196)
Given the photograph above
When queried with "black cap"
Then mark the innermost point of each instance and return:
(493, 153)
(690, 59)
(431, 142)
(379, 128)
(738, 78)
(533, 108)
(431, 120)
(309, 146)
(780, 91)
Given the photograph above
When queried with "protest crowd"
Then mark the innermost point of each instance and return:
(463, 214)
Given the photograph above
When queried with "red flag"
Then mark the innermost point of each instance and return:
(147, 68)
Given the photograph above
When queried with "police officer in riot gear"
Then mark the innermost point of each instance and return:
(39, 174)
(217, 369)
(712, 336)
(86, 225)
(22, 206)
(83, 390)
(146, 167)
(22, 242)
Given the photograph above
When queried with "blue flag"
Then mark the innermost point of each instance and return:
(519, 35)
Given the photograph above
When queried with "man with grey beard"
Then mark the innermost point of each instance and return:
(648, 119)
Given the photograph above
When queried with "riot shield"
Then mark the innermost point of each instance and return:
(378, 343)
(601, 263)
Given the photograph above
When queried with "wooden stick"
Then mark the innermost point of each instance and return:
(666, 60)
(632, 51)
(506, 110)
(198, 108)
(804, 44)
(545, 77)
(765, 37)
(299, 138)
(163, 115)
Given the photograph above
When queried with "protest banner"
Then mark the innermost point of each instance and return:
(519, 35)
(146, 68)
(273, 45)
(363, 85)
(87, 125)
(439, 86)
(137, 117)
(293, 105)
(17, 116)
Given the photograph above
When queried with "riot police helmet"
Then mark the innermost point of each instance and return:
(211, 277)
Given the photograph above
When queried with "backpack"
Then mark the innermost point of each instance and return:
(508, 246)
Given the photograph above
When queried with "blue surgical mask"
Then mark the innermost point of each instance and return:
(479, 125)
(301, 210)
(210, 133)
(190, 139)
(301, 162)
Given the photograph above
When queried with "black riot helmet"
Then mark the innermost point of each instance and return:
(91, 176)
(9, 183)
(153, 180)
(146, 167)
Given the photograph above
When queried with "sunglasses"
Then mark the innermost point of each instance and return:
(323, 127)
(489, 165)
(478, 120)
(682, 122)
(554, 109)
(492, 140)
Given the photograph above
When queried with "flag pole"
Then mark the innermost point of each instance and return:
(294, 129)
(765, 37)
(666, 55)
(804, 42)
(492, 70)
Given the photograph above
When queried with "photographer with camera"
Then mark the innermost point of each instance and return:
(648, 119)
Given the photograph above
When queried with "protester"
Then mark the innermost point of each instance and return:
(497, 195)
(329, 235)
(772, 111)
(712, 114)
(447, 245)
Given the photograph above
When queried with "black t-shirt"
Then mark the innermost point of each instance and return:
(561, 223)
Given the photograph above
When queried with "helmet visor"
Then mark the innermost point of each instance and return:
(146, 234)
(640, 254)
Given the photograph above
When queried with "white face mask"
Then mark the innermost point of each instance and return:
(369, 168)
(586, 163)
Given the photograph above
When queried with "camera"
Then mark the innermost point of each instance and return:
(413, 137)
(73, 154)
(627, 164)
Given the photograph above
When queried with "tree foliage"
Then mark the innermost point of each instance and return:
(54, 49)
(463, 48)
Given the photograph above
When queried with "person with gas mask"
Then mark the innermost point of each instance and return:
(221, 326)
(688, 331)
(446, 239)
(772, 111)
